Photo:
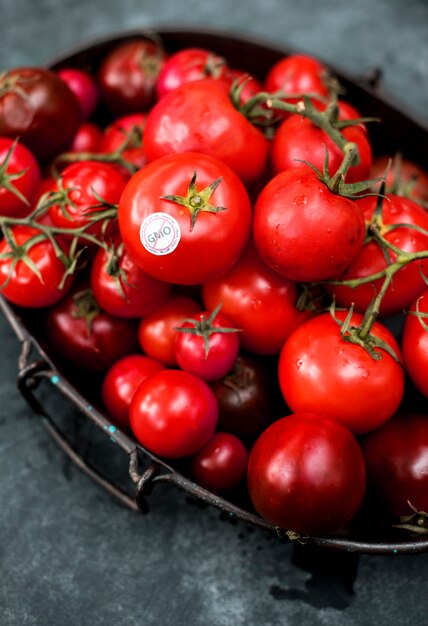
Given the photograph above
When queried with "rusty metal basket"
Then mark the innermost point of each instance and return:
(399, 131)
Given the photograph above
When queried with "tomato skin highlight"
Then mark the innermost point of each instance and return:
(306, 473)
(221, 464)
(173, 414)
(320, 372)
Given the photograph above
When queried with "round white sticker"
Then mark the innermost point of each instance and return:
(160, 233)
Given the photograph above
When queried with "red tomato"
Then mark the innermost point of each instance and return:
(306, 473)
(303, 230)
(173, 414)
(126, 133)
(128, 75)
(87, 139)
(19, 179)
(200, 117)
(185, 218)
(320, 372)
(39, 108)
(123, 289)
(414, 345)
(205, 352)
(24, 287)
(122, 381)
(396, 457)
(408, 283)
(156, 332)
(84, 88)
(410, 179)
(221, 464)
(86, 336)
(258, 301)
(298, 139)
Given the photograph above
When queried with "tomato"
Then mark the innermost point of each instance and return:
(258, 301)
(121, 288)
(173, 414)
(19, 179)
(84, 181)
(122, 381)
(251, 86)
(408, 283)
(303, 230)
(156, 332)
(200, 117)
(396, 457)
(409, 179)
(20, 284)
(414, 345)
(203, 350)
(39, 108)
(90, 339)
(298, 139)
(321, 372)
(306, 474)
(126, 130)
(185, 218)
(244, 398)
(88, 138)
(84, 88)
(128, 75)
(221, 464)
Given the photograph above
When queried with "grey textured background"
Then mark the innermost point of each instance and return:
(68, 553)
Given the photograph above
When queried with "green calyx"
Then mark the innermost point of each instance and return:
(85, 307)
(197, 201)
(6, 178)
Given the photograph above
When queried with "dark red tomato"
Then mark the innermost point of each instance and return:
(299, 140)
(185, 218)
(243, 398)
(39, 108)
(88, 138)
(122, 381)
(303, 230)
(128, 75)
(121, 288)
(321, 372)
(84, 181)
(20, 284)
(173, 414)
(200, 117)
(306, 474)
(396, 457)
(258, 301)
(187, 66)
(203, 351)
(414, 345)
(221, 464)
(408, 283)
(84, 88)
(86, 336)
(156, 332)
(19, 179)
(409, 179)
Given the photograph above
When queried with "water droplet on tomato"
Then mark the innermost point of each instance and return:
(299, 364)
(300, 199)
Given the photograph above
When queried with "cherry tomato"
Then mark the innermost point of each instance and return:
(19, 179)
(79, 331)
(409, 179)
(21, 284)
(396, 457)
(321, 372)
(200, 117)
(84, 88)
(306, 473)
(173, 414)
(125, 132)
(128, 75)
(185, 218)
(122, 381)
(39, 108)
(156, 332)
(203, 350)
(121, 288)
(414, 344)
(303, 230)
(88, 138)
(221, 464)
(257, 300)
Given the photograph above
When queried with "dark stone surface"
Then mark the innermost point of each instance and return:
(68, 553)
